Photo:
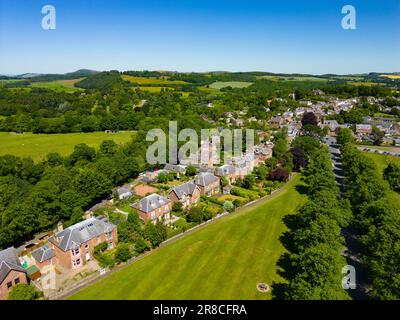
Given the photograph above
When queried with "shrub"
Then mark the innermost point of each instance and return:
(141, 246)
(23, 291)
(228, 206)
(279, 174)
(123, 253)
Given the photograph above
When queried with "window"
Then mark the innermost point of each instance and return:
(75, 251)
(86, 245)
(76, 262)
(9, 285)
(16, 281)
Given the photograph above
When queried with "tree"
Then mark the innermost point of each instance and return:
(177, 207)
(392, 175)
(108, 148)
(195, 214)
(123, 253)
(22, 291)
(162, 177)
(279, 174)
(248, 181)
(190, 171)
(309, 118)
(224, 182)
(377, 136)
(344, 136)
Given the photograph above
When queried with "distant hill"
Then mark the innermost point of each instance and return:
(36, 77)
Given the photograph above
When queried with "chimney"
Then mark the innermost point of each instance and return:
(60, 227)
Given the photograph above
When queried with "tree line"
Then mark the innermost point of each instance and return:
(376, 217)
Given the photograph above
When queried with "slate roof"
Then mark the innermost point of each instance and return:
(205, 179)
(80, 233)
(124, 189)
(9, 261)
(43, 253)
(150, 203)
(175, 167)
(187, 188)
(225, 170)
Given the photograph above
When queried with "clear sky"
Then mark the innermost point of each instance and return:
(292, 36)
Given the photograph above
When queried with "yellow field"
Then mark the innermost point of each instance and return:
(391, 76)
(153, 80)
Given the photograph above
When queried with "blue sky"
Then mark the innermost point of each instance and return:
(200, 35)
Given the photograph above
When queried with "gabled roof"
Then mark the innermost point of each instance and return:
(150, 203)
(43, 253)
(175, 167)
(9, 261)
(225, 170)
(187, 189)
(80, 233)
(205, 179)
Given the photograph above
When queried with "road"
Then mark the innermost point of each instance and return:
(353, 250)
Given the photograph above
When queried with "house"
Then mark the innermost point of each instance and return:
(363, 129)
(178, 168)
(227, 171)
(208, 183)
(11, 272)
(188, 194)
(124, 193)
(74, 246)
(43, 256)
(262, 153)
(153, 207)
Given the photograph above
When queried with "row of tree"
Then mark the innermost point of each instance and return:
(376, 218)
(312, 266)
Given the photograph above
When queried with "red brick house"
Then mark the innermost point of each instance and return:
(208, 183)
(188, 194)
(75, 245)
(11, 272)
(153, 207)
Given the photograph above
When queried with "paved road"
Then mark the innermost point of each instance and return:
(353, 249)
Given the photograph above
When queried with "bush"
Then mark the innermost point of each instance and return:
(23, 291)
(229, 206)
(141, 246)
(279, 174)
(123, 253)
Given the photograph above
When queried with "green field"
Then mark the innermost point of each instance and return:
(224, 260)
(234, 84)
(151, 80)
(59, 85)
(280, 78)
(37, 146)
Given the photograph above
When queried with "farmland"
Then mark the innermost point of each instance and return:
(234, 84)
(37, 146)
(224, 260)
(151, 80)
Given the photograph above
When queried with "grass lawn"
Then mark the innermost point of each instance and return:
(37, 146)
(224, 260)
(234, 84)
